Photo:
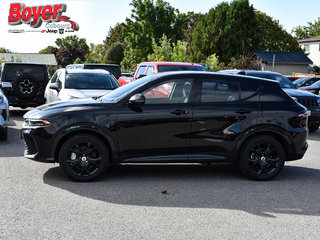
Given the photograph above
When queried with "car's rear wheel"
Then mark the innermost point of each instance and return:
(84, 157)
(3, 134)
(262, 158)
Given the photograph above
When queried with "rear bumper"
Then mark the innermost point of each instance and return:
(20, 102)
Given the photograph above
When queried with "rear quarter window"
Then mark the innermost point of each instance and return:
(248, 90)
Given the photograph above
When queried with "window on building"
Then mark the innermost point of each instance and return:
(306, 47)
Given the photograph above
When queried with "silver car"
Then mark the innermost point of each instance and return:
(68, 84)
(4, 112)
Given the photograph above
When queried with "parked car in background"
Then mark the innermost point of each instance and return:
(4, 112)
(313, 88)
(68, 84)
(206, 118)
(28, 82)
(302, 82)
(309, 100)
(114, 69)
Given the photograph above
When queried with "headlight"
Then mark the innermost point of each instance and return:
(36, 123)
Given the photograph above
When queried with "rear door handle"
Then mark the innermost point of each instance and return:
(179, 112)
(243, 111)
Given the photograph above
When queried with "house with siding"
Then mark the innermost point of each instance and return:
(312, 48)
(48, 59)
(285, 63)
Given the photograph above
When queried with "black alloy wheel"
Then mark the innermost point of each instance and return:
(262, 158)
(84, 157)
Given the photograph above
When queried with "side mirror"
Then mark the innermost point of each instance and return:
(131, 74)
(137, 99)
(54, 86)
(5, 85)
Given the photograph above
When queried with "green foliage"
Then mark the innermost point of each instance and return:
(149, 21)
(213, 63)
(49, 50)
(275, 38)
(237, 29)
(247, 62)
(78, 61)
(311, 30)
(68, 55)
(161, 52)
(115, 53)
(4, 50)
(96, 54)
(73, 41)
(179, 53)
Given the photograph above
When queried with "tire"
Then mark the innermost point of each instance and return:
(4, 134)
(313, 127)
(26, 86)
(84, 157)
(262, 158)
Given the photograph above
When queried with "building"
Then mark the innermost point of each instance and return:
(312, 48)
(48, 59)
(285, 63)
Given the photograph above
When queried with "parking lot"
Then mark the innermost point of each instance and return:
(202, 202)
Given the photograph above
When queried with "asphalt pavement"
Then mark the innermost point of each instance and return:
(201, 202)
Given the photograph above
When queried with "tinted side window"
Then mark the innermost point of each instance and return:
(248, 90)
(214, 90)
(169, 92)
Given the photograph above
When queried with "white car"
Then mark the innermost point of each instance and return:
(4, 112)
(68, 84)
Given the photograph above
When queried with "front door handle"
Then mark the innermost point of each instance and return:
(243, 111)
(179, 112)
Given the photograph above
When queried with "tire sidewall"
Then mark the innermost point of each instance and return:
(82, 138)
(245, 154)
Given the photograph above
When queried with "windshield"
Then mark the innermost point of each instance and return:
(91, 81)
(282, 80)
(121, 92)
(299, 82)
(169, 68)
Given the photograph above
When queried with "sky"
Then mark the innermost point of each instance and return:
(95, 17)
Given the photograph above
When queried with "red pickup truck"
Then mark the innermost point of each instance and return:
(148, 68)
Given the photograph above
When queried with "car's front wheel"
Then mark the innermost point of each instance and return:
(84, 157)
(262, 158)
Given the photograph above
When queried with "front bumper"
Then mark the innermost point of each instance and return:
(37, 143)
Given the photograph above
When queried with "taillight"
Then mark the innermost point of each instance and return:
(303, 115)
(300, 121)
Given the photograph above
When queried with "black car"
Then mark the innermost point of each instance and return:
(177, 117)
(309, 100)
(28, 82)
(313, 88)
(303, 82)
(114, 69)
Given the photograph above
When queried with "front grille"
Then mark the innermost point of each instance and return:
(308, 102)
(30, 145)
(4, 114)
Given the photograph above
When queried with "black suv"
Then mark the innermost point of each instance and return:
(309, 100)
(28, 82)
(177, 117)
(114, 69)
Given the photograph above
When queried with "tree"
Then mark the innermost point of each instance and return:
(74, 42)
(150, 20)
(179, 52)
(115, 53)
(4, 50)
(275, 38)
(311, 30)
(161, 52)
(213, 63)
(68, 55)
(49, 50)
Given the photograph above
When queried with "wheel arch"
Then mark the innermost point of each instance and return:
(279, 136)
(108, 142)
